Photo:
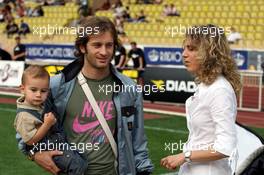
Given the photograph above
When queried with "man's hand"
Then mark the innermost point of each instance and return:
(44, 160)
(49, 119)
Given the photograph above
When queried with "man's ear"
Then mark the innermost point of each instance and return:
(83, 49)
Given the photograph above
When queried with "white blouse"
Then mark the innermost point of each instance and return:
(211, 114)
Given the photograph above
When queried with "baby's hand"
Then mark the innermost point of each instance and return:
(49, 119)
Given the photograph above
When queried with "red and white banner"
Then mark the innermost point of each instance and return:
(11, 72)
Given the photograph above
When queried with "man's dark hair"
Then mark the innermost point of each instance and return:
(133, 43)
(102, 24)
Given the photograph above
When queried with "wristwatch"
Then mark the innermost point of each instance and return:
(187, 156)
(31, 154)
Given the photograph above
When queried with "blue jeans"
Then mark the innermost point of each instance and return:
(70, 162)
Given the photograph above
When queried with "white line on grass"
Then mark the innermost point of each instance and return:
(164, 112)
(7, 109)
(10, 93)
(174, 173)
(165, 129)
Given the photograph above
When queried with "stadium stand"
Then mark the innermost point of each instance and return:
(57, 16)
(246, 16)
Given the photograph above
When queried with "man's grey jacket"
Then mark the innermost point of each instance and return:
(130, 137)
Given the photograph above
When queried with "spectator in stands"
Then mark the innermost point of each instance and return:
(19, 50)
(119, 23)
(126, 15)
(4, 55)
(141, 17)
(8, 8)
(137, 56)
(59, 2)
(142, 1)
(8, 17)
(28, 11)
(166, 10)
(24, 28)
(2, 17)
(38, 11)
(53, 2)
(7, 12)
(119, 9)
(21, 10)
(234, 37)
(120, 55)
(158, 1)
(173, 11)
(211, 111)
(11, 28)
(147, 1)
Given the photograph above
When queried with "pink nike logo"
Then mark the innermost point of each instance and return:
(79, 128)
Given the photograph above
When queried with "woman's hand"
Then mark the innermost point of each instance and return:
(173, 161)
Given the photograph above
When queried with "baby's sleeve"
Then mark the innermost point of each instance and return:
(26, 125)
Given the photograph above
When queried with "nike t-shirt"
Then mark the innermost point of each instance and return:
(84, 130)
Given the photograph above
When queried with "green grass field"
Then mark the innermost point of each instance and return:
(167, 130)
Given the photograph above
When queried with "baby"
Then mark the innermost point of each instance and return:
(34, 128)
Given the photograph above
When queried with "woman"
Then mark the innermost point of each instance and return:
(211, 111)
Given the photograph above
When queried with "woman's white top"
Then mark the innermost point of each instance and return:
(211, 114)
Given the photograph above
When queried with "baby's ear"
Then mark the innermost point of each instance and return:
(22, 89)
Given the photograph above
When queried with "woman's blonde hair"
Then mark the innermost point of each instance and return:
(214, 55)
